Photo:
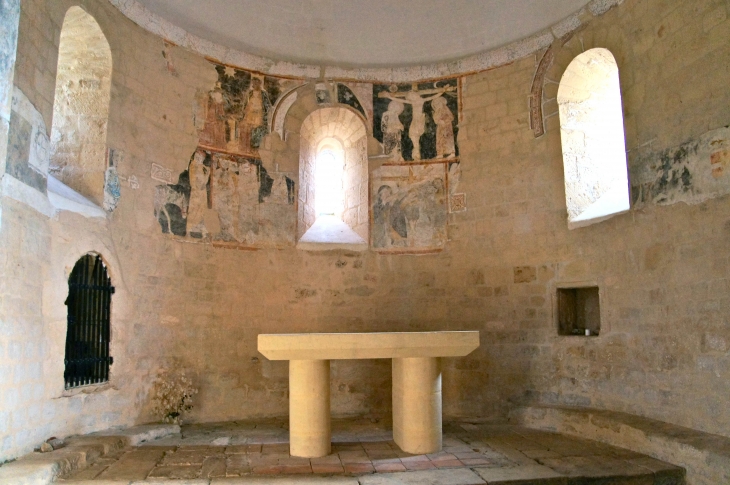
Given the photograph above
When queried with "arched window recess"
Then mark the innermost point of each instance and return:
(592, 136)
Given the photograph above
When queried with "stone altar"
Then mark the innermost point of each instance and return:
(416, 381)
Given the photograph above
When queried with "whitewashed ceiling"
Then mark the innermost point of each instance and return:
(366, 33)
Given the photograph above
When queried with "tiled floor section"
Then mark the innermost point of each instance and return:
(496, 453)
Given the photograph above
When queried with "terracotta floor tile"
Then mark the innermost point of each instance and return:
(390, 467)
(447, 463)
(261, 449)
(237, 449)
(383, 461)
(359, 468)
(277, 448)
(296, 469)
(440, 456)
(326, 468)
(268, 470)
(419, 465)
(414, 458)
(326, 460)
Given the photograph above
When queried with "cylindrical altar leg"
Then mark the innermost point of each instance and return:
(309, 408)
(417, 404)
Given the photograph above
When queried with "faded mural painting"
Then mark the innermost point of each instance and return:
(415, 189)
(691, 172)
(409, 207)
(417, 121)
(226, 196)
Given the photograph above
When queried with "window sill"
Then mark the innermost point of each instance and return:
(63, 197)
(87, 389)
(328, 233)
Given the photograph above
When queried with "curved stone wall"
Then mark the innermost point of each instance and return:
(662, 269)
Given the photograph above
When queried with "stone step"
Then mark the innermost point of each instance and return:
(79, 452)
(524, 475)
(704, 456)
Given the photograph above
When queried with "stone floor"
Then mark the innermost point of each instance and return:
(363, 453)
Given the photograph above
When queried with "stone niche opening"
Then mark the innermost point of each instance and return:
(81, 106)
(592, 135)
(333, 174)
(579, 311)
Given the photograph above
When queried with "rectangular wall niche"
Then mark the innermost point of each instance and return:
(579, 311)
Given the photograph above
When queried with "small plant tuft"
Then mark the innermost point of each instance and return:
(172, 395)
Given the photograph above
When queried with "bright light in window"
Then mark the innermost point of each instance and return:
(592, 134)
(328, 185)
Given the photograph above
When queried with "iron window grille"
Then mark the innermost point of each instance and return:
(87, 338)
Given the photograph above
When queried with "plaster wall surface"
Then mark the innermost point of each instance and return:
(662, 271)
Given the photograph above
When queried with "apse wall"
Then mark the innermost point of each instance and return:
(662, 268)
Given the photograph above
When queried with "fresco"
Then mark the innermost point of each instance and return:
(27, 155)
(417, 121)
(237, 110)
(345, 95)
(692, 172)
(226, 196)
(409, 207)
(228, 200)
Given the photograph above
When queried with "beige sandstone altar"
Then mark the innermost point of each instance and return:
(416, 381)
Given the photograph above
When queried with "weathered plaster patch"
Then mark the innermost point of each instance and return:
(9, 16)
(599, 7)
(27, 156)
(692, 172)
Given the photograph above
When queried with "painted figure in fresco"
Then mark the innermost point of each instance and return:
(416, 99)
(171, 205)
(248, 199)
(199, 175)
(214, 130)
(256, 106)
(444, 119)
(417, 213)
(392, 129)
(381, 217)
(226, 197)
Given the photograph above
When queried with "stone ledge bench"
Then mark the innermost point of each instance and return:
(78, 453)
(705, 456)
(416, 382)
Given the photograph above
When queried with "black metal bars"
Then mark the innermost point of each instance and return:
(87, 338)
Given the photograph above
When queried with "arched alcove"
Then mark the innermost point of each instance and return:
(81, 105)
(341, 132)
(592, 135)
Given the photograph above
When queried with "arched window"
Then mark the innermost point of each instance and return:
(328, 173)
(81, 106)
(592, 135)
(333, 174)
(88, 323)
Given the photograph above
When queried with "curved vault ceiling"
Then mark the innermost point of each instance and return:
(364, 33)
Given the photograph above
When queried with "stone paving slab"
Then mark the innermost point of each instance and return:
(363, 453)
(462, 476)
(705, 456)
(520, 474)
